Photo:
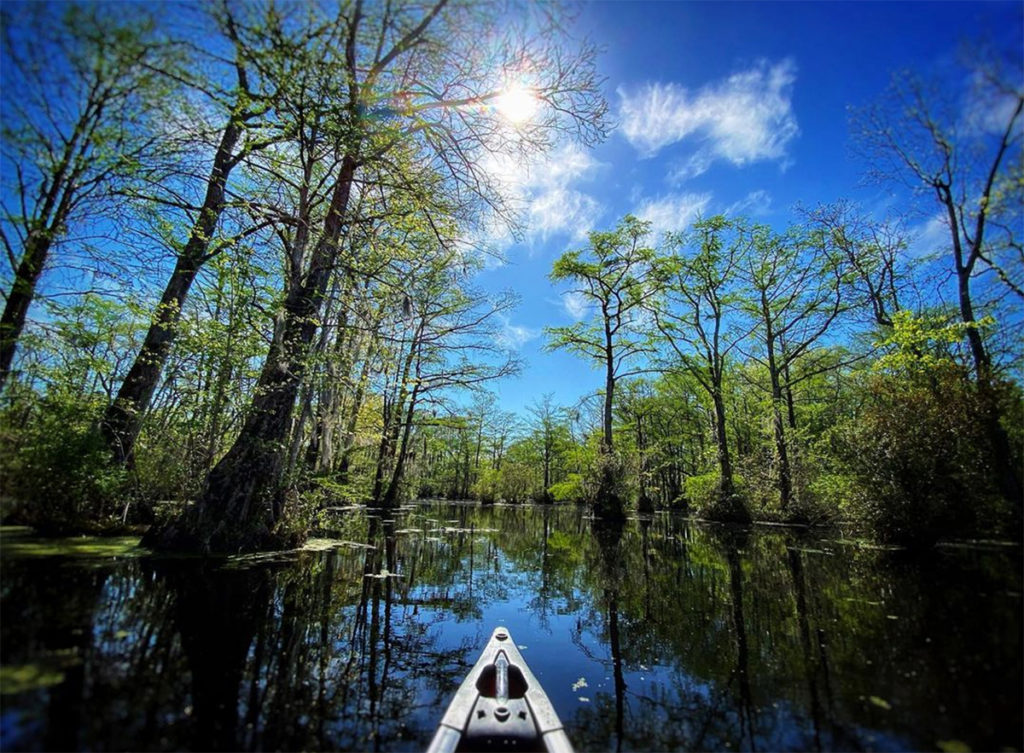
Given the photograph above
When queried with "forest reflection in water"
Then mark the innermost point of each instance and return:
(661, 635)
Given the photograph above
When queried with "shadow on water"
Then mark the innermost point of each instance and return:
(652, 634)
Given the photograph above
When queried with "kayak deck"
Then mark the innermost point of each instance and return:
(500, 706)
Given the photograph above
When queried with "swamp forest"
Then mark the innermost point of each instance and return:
(265, 480)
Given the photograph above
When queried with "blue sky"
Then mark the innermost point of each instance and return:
(736, 107)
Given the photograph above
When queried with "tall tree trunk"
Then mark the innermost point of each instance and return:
(393, 425)
(391, 495)
(51, 215)
(321, 443)
(722, 444)
(122, 420)
(243, 499)
(348, 440)
(608, 503)
(729, 506)
(37, 248)
(609, 393)
(1002, 454)
(644, 502)
(778, 425)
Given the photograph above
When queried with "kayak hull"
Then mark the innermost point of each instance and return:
(500, 706)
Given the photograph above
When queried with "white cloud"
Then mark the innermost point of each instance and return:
(931, 237)
(745, 118)
(987, 109)
(544, 191)
(576, 305)
(562, 210)
(697, 164)
(673, 212)
(514, 336)
(754, 203)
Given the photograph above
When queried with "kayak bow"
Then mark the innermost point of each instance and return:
(500, 706)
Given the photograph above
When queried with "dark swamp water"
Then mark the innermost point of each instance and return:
(665, 636)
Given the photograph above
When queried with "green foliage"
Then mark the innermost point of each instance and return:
(487, 486)
(605, 481)
(835, 492)
(918, 458)
(56, 467)
(702, 491)
(917, 345)
(569, 490)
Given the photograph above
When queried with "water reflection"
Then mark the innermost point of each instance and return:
(656, 635)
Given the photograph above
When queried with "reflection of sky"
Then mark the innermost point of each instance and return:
(937, 634)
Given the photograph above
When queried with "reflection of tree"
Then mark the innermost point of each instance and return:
(796, 567)
(49, 613)
(742, 672)
(707, 640)
(217, 612)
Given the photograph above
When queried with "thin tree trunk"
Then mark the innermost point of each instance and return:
(392, 423)
(348, 441)
(785, 481)
(722, 443)
(53, 213)
(20, 298)
(391, 495)
(1008, 474)
(122, 420)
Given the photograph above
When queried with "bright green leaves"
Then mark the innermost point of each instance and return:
(919, 345)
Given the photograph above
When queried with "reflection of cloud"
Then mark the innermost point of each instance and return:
(550, 205)
(673, 212)
(514, 336)
(745, 118)
(575, 305)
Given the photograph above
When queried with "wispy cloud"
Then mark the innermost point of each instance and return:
(930, 238)
(575, 305)
(986, 109)
(514, 336)
(745, 118)
(673, 212)
(755, 203)
(544, 190)
(562, 210)
(696, 164)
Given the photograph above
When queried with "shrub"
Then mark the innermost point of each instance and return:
(569, 490)
(707, 500)
(702, 491)
(58, 470)
(919, 454)
(604, 483)
(486, 487)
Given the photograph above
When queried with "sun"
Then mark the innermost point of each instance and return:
(517, 103)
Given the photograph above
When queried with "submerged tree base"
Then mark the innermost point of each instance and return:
(728, 508)
(194, 531)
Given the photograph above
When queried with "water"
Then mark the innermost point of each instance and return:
(666, 635)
